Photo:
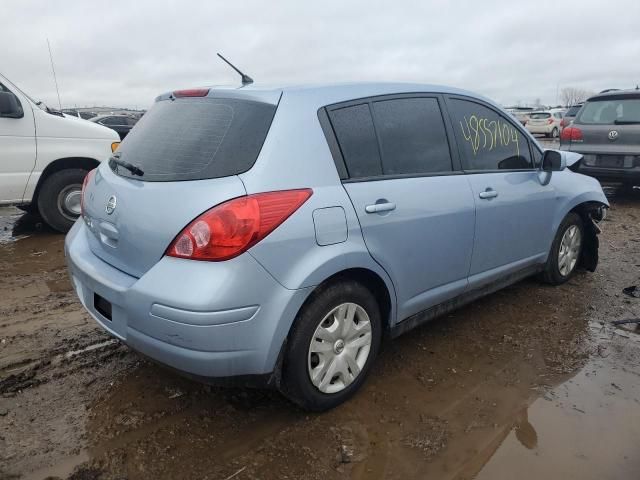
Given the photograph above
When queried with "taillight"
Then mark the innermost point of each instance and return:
(85, 182)
(191, 92)
(562, 124)
(550, 121)
(571, 134)
(233, 227)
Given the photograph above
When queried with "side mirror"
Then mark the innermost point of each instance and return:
(553, 161)
(10, 106)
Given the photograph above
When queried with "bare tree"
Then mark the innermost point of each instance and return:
(572, 95)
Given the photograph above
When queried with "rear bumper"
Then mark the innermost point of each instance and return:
(207, 319)
(539, 129)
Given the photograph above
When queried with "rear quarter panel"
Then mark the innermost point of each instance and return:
(296, 155)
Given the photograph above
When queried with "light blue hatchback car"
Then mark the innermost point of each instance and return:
(275, 235)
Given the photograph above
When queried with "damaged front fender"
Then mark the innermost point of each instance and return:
(591, 213)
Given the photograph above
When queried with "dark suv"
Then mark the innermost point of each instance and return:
(120, 123)
(607, 132)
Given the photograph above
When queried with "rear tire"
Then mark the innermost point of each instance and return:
(59, 198)
(554, 132)
(566, 250)
(339, 358)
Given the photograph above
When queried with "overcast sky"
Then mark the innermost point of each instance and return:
(124, 53)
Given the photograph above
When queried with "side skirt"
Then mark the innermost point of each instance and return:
(457, 302)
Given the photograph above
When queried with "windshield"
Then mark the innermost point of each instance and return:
(18, 89)
(610, 111)
(196, 138)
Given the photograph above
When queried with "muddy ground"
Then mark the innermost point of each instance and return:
(532, 382)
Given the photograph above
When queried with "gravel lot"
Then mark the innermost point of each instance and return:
(531, 382)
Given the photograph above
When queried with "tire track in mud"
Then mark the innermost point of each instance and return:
(60, 361)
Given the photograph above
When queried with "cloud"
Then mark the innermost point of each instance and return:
(125, 53)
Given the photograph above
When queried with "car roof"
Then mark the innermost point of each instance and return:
(616, 95)
(330, 93)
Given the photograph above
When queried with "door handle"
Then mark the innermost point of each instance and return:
(488, 193)
(380, 207)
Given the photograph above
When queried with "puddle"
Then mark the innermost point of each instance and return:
(586, 428)
(27, 246)
(16, 224)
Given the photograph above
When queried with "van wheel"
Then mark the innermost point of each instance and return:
(59, 198)
(332, 346)
(565, 251)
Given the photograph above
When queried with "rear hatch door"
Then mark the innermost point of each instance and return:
(539, 119)
(190, 151)
(610, 128)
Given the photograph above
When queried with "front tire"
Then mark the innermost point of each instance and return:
(566, 250)
(332, 345)
(59, 198)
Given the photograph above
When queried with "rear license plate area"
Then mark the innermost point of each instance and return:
(610, 161)
(102, 306)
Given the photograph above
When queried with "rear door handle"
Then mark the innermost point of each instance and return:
(488, 193)
(380, 207)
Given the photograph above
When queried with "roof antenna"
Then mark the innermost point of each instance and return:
(54, 74)
(246, 79)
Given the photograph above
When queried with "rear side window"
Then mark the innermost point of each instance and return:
(356, 135)
(197, 138)
(412, 136)
(401, 136)
(486, 139)
(610, 112)
(572, 111)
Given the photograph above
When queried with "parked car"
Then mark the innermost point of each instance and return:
(546, 122)
(75, 113)
(122, 124)
(521, 113)
(569, 116)
(606, 132)
(279, 247)
(45, 155)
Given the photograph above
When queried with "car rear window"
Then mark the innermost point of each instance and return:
(614, 111)
(539, 115)
(196, 138)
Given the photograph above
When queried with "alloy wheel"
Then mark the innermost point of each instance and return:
(569, 250)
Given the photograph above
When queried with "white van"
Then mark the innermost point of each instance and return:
(45, 155)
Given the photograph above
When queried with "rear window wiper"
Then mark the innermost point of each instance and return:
(129, 166)
(626, 122)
